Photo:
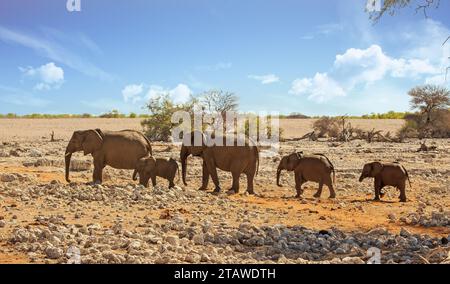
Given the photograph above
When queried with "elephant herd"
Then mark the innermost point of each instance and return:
(130, 149)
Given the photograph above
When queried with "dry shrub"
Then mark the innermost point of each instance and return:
(416, 126)
(327, 127)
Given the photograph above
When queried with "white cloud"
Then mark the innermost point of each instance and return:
(372, 64)
(180, 94)
(132, 92)
(265, 79)
(49, 75)
(320, 88)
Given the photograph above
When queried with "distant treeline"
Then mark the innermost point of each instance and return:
(117, 114)
(112, 114)
(387, 115)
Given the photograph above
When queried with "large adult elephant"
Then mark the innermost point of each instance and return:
(118, 149)
(242, 156)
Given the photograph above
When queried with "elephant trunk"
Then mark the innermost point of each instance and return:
(183, 157)
(67, 158)
(278, 176)
(362, 177)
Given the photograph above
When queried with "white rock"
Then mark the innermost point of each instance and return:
(53, 252)
(35, 153)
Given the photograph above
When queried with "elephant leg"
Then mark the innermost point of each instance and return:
(153, 177)
(235, 185)
(171, 183)
(205, 177)
(211, 167)
(402, 188)
(236, 170)
(97, 176)
(377, 186)
(329, 184)
(298, 184)
(250, 178)
(319, 191)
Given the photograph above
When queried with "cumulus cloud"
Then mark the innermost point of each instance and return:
(372, 64)
(364, 67)
(132, 93)
(319, 88)
(265, 79)
(49, 76)
(180, 94)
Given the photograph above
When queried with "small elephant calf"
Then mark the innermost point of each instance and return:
(393, 174)
(149, 167)
(316, 168)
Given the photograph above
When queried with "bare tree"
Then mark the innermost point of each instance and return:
(428, 99)
(392, 6)
(218, 102)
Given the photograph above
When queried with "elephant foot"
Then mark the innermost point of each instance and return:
(317, 195)
(376, 199)
(217, 189)
(203, 188)
(251, 192)
(332, 196)
(402, 199)
(231, 192)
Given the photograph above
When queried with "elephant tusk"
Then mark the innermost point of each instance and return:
(68, 154)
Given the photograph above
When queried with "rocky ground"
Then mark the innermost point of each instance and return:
(44, 219)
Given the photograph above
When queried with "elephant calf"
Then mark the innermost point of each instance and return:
(149, 167)
(317, 168)
(393, 174)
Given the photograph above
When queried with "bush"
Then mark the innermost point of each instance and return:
(112, 114)
(416, 126)
(132, 115)
(327, 126)
(158, 126)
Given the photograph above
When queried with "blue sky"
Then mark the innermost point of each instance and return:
(315, 57)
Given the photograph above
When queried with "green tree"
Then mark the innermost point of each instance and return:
(158, 126)
(428, 99)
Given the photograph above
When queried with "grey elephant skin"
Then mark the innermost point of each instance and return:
(386, 174)
(315, 167)
(241, 157)
(149, 168)
(117, 149)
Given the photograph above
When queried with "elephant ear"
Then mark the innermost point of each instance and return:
(92, 141)
(376, 168)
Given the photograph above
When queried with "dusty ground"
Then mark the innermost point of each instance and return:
(41, 216)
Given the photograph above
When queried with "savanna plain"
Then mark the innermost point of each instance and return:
(43, 219)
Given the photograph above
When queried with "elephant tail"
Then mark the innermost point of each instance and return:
(135, 174)
(149, 144)
(407, 176)
(257, 156)
(178, 170)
